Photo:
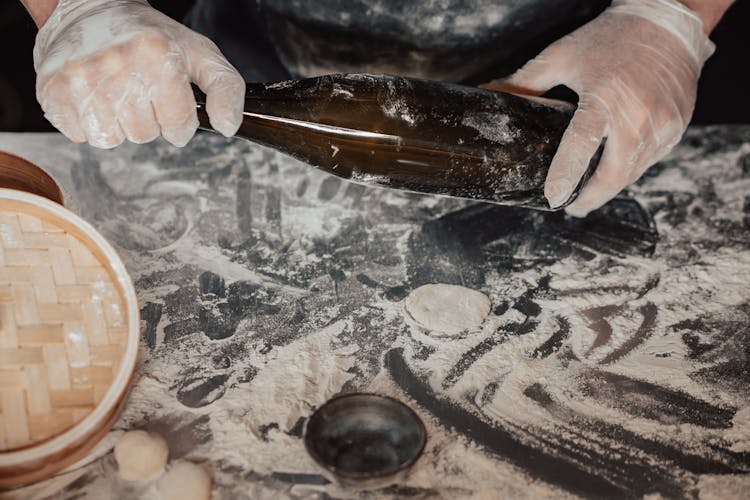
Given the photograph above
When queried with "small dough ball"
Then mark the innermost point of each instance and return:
(185, 481)
(447, 309)
(141, 455)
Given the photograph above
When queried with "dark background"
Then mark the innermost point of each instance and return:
(722, 96)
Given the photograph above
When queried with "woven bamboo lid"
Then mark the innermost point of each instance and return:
(68, 335)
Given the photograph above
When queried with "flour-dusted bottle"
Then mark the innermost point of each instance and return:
(414, 135)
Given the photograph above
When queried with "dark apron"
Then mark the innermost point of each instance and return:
(470, 41)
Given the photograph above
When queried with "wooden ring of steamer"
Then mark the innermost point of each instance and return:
(37, 460)
(22, 175)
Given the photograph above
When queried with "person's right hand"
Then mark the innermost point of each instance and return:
(108, 70)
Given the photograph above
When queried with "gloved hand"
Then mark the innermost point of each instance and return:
(114, 69)
(635, 69)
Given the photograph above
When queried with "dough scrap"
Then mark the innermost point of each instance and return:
(185, 481)
(447, 309)
(141, 455)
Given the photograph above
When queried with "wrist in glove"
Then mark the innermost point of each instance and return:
(676, 18)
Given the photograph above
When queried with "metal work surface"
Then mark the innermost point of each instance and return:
(614, 363)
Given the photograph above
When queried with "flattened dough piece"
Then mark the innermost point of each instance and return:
(185, 481)
(141, 455)
(447, 309)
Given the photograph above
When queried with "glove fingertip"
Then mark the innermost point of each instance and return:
(73, 134)
(229, 131)
(225, 114)
(106, 142)
(179, 136)
(179, 142)
(577, 211)
(558, 192)
(228, 122)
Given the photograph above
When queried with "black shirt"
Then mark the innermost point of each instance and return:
(451, 40)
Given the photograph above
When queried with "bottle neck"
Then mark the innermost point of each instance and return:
(265, 100)
(260, 109)
(200, 106)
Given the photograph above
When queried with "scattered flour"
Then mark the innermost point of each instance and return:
(494, 127)
(397, 108)
(739, 433)
(252, 427)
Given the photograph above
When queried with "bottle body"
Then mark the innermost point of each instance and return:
(414, 135)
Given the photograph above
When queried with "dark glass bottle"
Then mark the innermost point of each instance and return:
(415, 135)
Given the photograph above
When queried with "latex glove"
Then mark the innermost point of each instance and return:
(635, 69)
(114, 69)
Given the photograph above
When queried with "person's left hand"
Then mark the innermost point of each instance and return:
(635, 69)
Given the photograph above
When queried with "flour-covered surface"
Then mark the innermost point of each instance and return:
(616, 360)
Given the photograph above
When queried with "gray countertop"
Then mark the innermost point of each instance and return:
(616, 362)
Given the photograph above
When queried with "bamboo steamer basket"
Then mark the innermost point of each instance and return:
(69, 329)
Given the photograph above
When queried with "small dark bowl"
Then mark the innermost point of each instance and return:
(365, 436)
